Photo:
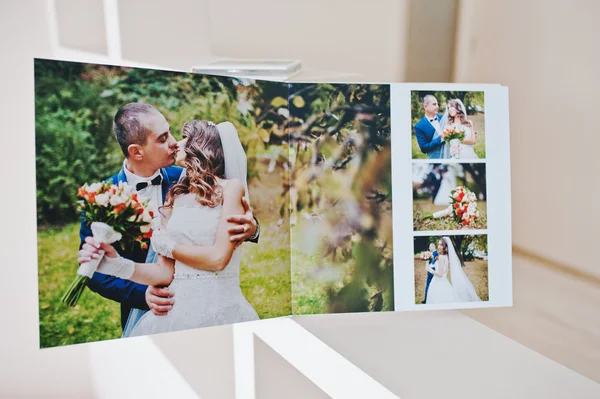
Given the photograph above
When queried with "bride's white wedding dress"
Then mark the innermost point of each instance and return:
(466, 150)
(440, 290)
(202, 298)
(448, 184)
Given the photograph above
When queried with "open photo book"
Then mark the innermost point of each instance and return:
(170, 201)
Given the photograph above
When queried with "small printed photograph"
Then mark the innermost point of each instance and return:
(449, 196)
(448, 125)
(451, 269)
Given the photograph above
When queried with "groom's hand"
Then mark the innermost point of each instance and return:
(159, 300)
(246, 227)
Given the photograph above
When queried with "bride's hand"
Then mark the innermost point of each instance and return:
(91, 250)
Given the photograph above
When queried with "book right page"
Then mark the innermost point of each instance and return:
(340, 198)
(451, 196)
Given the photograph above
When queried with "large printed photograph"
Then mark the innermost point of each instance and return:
(157, 201)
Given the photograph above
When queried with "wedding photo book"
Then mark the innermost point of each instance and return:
(169, 201)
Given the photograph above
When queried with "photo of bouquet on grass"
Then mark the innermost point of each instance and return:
(463, 207)
(115, 215)
(453, 135)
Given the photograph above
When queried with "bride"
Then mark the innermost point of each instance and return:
(196, 258)
(456, 114)
(440, 290)
(447, 184)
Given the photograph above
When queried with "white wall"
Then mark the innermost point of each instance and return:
(367, 38)
(546, 53)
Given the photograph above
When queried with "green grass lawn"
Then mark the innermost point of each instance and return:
(477, 271)
(93, 319)
(478, 121)
(424, 207)
(265, 281)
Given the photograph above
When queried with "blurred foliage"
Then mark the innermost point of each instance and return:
(340, 164)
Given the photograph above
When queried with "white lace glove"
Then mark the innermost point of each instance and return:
(118, 267)
(163, 243)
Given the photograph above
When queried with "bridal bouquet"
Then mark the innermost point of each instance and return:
(454, 135)
(116, 215)
(463, 207)
(426, 255)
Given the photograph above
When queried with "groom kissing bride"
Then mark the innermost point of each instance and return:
(189, 274)
(430, 129)
(438, 288)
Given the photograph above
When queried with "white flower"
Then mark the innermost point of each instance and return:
(145, 228)
(472, 208)
(146, 217)
(103, 199)
(116, 200)
(472, 196)
(94, 188)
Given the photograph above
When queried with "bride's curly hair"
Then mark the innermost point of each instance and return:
(204, 163)
(460, 113)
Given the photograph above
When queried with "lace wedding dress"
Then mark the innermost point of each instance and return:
(202, 298)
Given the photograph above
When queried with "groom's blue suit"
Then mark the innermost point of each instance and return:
(429, 142)
(430, 275)
(131, 295)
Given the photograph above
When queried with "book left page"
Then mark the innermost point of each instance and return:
(112, 146)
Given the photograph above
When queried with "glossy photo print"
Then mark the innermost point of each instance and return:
(156, 201)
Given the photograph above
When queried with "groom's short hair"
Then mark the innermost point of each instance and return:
(127, 125)
(428, 98)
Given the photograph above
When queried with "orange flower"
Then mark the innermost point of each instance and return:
(81, 192)
(148, 234)
(91, 197)
(120, 208)
(144, 245)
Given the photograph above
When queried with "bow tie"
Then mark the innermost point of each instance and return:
(154, 182)
(433, 119)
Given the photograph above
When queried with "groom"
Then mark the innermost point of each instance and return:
(428, 130)
(434, 255)
(145, 138)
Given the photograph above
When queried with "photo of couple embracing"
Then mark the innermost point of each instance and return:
(198, 187)
(448, 125)
(185, 147)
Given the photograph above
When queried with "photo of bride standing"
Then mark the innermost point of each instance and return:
(448, 125)
(449, 196)
(451, 269)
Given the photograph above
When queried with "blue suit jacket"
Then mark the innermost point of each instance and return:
(129, 294)
(424, 130)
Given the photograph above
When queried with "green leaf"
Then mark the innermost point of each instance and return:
(279, 102)
(298, 102)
